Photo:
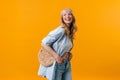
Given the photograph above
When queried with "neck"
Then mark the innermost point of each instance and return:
(68, 25)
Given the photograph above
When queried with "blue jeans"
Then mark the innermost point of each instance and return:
(63, 71)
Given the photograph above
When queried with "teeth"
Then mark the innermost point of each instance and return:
(67, 19)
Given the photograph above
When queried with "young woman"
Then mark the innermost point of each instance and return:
(59, 43)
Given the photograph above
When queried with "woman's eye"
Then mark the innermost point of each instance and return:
(64, 15)
(69, 14)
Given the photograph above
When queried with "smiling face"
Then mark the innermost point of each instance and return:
(67, 17)
(67, 21)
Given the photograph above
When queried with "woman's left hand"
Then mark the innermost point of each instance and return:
(70, 56)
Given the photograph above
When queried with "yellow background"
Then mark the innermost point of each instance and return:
(24, 23)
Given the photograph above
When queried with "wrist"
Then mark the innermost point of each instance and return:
(56, 56)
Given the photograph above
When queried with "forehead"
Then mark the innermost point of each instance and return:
(66, 11)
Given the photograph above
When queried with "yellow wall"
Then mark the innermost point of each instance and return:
(23, 24)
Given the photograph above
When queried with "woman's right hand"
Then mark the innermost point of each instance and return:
(59, 59)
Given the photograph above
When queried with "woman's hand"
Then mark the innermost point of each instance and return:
(70, 56)
(59, 59)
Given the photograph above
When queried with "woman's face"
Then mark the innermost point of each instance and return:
(67, 18)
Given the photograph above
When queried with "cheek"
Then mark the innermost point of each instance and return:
(71, 19)
(63, 17)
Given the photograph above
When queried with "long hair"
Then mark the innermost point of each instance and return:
(70, 31)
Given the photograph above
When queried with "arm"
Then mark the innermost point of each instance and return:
(50, 39)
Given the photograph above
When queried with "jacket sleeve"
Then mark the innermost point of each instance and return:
(53, 36)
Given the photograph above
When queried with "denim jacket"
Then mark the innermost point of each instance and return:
(59, 42)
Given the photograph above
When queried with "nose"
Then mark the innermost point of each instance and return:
(67, 15)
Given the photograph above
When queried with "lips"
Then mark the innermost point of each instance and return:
(67, 19)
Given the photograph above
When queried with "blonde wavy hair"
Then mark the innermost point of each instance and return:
(70, 31)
